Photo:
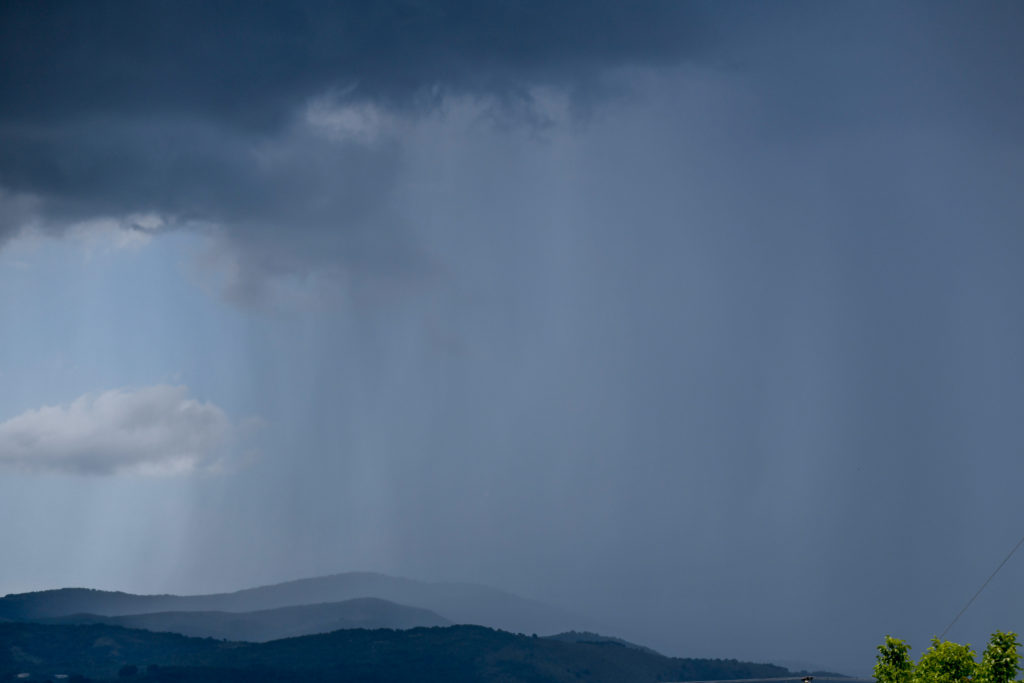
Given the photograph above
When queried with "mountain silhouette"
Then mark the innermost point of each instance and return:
(459, 603)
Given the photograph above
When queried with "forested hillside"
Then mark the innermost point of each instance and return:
(452, 654)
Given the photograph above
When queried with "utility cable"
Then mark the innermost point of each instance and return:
(975, 597)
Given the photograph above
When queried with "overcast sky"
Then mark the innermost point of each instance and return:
(704, 320)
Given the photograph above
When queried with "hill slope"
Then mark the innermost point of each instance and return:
(264, 625)
(590, 637)
(454, 654)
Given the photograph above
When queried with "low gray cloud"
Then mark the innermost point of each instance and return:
(154, 430)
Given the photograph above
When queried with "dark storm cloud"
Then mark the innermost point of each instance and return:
(194, 110)
(319, 199)
(249, 63)
(198, 111)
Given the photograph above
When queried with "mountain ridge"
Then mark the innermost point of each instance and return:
(459, 603)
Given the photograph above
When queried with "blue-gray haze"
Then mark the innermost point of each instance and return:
(702, 319)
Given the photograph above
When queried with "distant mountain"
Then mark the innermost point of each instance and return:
(457, 654)
(461, 603)
(264, 625)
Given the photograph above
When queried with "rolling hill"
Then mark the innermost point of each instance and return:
(264, 625)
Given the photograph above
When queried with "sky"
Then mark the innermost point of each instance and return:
(700, 319)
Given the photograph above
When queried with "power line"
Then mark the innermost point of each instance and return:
(975, 597)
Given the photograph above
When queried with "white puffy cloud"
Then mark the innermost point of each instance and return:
(156, 430)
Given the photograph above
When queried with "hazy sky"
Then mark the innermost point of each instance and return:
(702, 319)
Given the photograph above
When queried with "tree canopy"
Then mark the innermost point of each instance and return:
(949, 662)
